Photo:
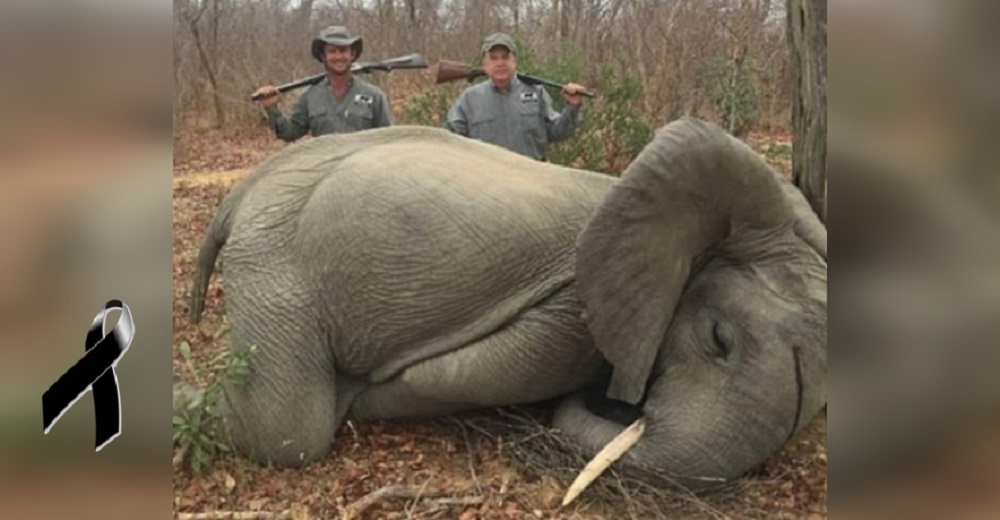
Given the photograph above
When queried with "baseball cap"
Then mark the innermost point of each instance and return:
(498, 39)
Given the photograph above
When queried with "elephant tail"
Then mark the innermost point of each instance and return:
(215, 238)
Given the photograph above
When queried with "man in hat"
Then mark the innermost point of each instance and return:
(508, 112)
(339, 104)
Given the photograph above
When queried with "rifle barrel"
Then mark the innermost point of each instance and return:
(535, 80)
(411, 61)
(293, 85)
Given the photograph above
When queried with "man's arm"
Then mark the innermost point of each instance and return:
(458, 121)
(290, 128)
(558, 126)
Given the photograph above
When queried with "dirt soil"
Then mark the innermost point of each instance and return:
(477, 468)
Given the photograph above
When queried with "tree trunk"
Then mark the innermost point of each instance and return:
(207, 64)
(807, 37)
(516, 8)
(737, 64)
(563, 20)
(414, 39)
(303, 17)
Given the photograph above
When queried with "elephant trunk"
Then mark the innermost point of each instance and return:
(665, 454)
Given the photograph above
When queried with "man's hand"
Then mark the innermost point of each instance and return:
(269, 96)
(571, 93)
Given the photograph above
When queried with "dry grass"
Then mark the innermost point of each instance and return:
(508, 457)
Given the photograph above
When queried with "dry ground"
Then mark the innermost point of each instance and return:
(476, 457)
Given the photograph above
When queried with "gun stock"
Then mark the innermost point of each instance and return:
(448, 70)
(410, 61)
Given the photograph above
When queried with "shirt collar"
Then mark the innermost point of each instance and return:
(350, 81)
(514, 83)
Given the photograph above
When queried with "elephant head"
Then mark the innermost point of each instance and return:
(703, 275)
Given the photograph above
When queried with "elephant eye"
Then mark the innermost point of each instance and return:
(723, 340)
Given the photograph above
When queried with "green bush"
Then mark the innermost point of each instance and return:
(430, 108)
(611, 130)
(191, 427)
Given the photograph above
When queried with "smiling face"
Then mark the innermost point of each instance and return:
(338, 59)
(500, 65)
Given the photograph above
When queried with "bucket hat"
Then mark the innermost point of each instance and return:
(336, 35)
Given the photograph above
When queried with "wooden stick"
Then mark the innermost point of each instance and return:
(604, 459)
(357, 507)
(437, 503)
(234, 515)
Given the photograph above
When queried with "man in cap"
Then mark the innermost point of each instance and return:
(508, 112)
(339, 104)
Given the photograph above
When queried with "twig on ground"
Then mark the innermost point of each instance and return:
(236, 515)
(472, 465)
(629, 503)
(433, 505)
(357, 507)
(409, 508)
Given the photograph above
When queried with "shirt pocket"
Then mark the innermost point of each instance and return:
(317, 115)
(360, 115)
(531, 119)
(482, 126)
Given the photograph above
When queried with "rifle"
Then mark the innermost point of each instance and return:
(452, 70)
(410, 61)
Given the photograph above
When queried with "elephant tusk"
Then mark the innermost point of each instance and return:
(604, 459)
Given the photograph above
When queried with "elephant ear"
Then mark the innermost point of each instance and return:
(808, 226)
(693, 186)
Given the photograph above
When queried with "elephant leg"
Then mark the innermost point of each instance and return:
(284, 412)
(545, 353)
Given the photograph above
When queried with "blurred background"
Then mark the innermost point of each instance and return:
(915, 283)
(85, 217)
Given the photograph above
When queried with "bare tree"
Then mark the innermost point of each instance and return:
(224, 49)
(304, 15)
(807, 35)
(207, 62)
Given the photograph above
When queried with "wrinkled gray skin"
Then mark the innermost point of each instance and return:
(409, 272)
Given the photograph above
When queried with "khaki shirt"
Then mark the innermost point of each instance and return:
(318, 112)
(520, 119)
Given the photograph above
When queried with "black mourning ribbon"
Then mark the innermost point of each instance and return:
(96, 370)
